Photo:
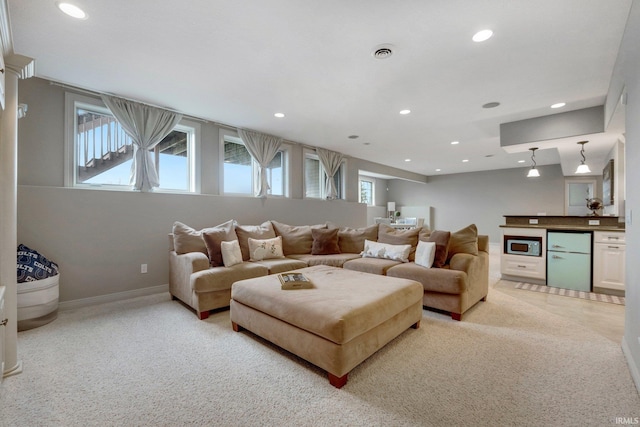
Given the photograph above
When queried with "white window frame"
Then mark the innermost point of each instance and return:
(311, 154)
(373, 190)
(230, 136)
(74, 100)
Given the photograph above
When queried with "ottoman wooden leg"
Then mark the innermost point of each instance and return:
(337, 382)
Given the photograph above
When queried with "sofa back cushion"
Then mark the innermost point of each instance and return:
(296, 239)
(325, 241)
(187, 239)
(390, 235)
(464, 241)
(258, 232)
(351, 240)
(441, 239)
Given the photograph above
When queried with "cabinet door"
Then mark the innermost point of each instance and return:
(569, 271)
(609, 266)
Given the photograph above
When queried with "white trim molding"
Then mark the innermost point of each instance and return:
(118, 296)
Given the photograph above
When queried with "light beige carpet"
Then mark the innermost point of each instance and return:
(149, 361)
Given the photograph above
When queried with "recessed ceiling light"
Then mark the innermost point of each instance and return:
(366, 143)
(72, 10)
(279, 115)
(481, 36)
(465, 161)
(438, 170)
(520, 161)
(491, 105)
(405, 112)
(455, 142)
(353, 137)
(559, 105)
(407, 160)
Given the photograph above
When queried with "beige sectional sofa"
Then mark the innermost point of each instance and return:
(199, 278)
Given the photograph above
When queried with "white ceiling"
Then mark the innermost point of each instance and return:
(239, 62)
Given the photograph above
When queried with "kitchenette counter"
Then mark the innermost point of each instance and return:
(569, 227)
(565, 223)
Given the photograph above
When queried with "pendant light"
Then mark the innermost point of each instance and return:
(533, 172)
(583, 167)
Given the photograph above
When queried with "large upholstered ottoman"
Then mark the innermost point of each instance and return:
(345, 318)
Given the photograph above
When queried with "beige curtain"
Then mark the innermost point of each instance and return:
(331, 162)
(263, 148)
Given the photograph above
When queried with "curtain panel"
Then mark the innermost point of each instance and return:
(331, 162)
(262, 148)
(147, 126)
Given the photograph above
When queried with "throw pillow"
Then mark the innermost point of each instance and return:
(325, 241)
(265, 249)
(390, 235)
(212, 238)
(386, 251)
(441, 239)
(187, 239)
(231, 254)
(296, 239)
(259, 232)
(351, 240)
(425, 253)
(464, 241)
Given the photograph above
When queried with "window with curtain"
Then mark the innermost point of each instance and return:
(240, 171)
(315, 178)
(367, 191)
(102, 152)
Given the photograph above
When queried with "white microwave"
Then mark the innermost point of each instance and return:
(523, 245)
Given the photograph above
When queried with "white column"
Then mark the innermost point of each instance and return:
(8, 219)
(17, 66)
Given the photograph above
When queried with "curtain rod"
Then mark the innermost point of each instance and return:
(98, 93)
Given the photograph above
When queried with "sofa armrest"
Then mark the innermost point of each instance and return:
(477, 269)
(181, 267)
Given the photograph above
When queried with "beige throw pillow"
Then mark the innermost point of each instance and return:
(296, 239)
(351, 240)
(265, 249)
(386, 251)
(464, 241)
(425, 253)
(187, 239)
(231, 254)
(258, 232)
(392, 236)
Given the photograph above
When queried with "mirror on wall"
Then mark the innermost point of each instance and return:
(577, 191)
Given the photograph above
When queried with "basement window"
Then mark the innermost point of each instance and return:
(100, 153)
(315, 178)
(241, 172)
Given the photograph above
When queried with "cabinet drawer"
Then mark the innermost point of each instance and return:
(523, 266)
(609, 237)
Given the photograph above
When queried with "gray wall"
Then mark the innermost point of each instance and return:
(483, 198)
(626, 76)
(99, 237)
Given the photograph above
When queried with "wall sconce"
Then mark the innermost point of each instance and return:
(583, 168)
(533, 172)
(391, 207)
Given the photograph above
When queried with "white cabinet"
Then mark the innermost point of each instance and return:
(609, 260)
(524, 267)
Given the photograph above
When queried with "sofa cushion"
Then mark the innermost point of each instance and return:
(372, 265)
(386, 251)
(425, 253)
(221, 278)
(260, 249)
(392, 236)
(464, 241)
(442, 280)
(262, 231)
(333, 260)
(231, 254)
(351, 240)
(441, 239)
(280, 265)
(213, 237)
(187, 239)
(295, 239)
(325, 241)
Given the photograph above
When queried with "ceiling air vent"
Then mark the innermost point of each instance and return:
(382, 51)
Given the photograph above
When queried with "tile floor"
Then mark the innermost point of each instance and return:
(603, 318)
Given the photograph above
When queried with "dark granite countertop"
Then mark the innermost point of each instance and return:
(557, 222)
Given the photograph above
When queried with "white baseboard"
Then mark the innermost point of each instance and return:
(118, 296)
(633, 364)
